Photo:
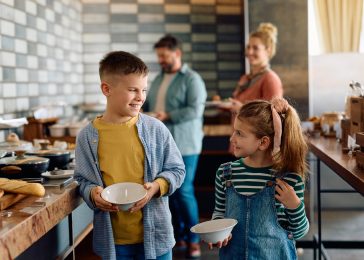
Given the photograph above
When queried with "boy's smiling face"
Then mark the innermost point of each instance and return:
(125, 95)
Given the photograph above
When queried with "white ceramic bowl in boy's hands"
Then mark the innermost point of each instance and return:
(124, 194)
(216, 230)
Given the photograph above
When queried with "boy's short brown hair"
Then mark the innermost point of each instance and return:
(122, 63)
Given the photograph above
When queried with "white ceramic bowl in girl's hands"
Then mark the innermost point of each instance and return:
(216, 230)
(124, 194)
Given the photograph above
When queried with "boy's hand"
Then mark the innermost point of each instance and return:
(152, 189)
(286, 195)
(220, 243)
(99, 202)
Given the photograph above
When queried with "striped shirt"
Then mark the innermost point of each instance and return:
(248, 181)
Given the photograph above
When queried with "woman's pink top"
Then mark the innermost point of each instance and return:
(266, 85)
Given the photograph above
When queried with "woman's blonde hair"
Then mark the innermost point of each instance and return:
(293, 148)
(267, 33)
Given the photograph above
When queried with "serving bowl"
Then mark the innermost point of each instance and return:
(124, 194)
(57, 130)
(21, 166)
(216, 230)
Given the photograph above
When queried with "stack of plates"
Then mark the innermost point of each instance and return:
(58, 174)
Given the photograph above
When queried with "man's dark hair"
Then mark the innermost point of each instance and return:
(169, 42)
(122, 63)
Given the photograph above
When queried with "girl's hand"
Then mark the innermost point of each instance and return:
(99, 202)
(152, 189)
(286, 195)
(220, 243)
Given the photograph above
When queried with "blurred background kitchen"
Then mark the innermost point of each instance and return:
(50, 49)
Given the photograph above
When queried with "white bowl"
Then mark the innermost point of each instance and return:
(73, 130)
(213, 231)
(57, 130)
(124, 194)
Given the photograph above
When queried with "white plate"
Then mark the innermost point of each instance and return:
(220, 104)
(65, 174)
(212, 103)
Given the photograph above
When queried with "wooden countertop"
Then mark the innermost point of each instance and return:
(29, 219)
(218, 130)
(328, 150)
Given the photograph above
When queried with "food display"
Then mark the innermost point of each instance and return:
(216, 98)
(13, 138)
(21, 187)
(57, 158)
(22, 166)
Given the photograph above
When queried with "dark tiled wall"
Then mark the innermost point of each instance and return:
(40, 54)
(50, 49)
(291, 60)
(211, 32)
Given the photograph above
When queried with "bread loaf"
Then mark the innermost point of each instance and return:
(12, 138)
(1, 193)
(22, 187)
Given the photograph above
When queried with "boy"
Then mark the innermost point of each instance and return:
(124, 145)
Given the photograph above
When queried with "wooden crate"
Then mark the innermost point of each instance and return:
(356, 127)
(345, 131)
(360, 159)
(360, 139)
(357, 109)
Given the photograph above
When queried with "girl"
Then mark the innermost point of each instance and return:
(264, 189)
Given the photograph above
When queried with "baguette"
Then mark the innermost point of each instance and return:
(22, 187)
(1, 193)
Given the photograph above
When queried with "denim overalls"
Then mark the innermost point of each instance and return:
(258, 234)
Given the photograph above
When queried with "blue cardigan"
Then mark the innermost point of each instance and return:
(163, 159)
(185, 104)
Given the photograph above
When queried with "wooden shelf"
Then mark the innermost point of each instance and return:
(68, 139)
(38, 128)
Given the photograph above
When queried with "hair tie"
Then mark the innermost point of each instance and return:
(277, 126)
(278, 105)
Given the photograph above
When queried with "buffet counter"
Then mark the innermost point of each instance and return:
(30, 219)
(329, 152)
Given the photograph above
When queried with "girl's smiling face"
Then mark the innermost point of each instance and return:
(244, 141)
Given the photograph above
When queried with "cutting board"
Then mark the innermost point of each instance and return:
(9, 199)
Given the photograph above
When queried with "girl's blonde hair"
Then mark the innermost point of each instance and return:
(267, 33)
(293, 148)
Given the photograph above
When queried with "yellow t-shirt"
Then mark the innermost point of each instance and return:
(121, 157)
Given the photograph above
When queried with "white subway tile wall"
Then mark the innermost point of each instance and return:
(216, 51)
(40, 54)
(49, 50)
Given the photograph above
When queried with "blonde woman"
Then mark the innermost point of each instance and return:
(262, 82)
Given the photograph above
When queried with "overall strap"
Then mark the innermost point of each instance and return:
(273, 181)
(226, 171)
